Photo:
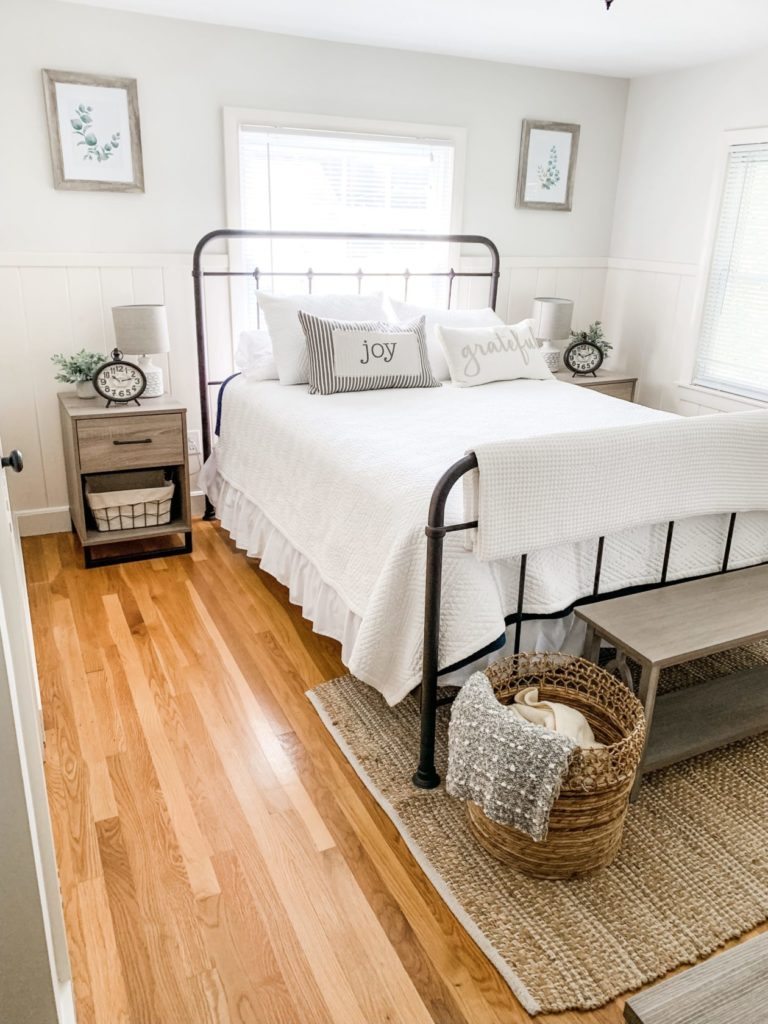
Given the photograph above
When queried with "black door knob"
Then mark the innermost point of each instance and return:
(15, 461)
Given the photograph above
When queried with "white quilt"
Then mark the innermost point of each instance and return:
(532, 493)
(347, 479)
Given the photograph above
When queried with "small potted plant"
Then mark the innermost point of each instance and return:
(594, 335)
(79, 370)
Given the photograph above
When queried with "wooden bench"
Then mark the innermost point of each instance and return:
(730, 988)
(670, 626)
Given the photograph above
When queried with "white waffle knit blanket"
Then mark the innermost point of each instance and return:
(550, 489)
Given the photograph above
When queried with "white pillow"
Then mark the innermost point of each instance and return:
(348, 356)
(481, 355)
(254, 356)
(281, 313)
(444, 317)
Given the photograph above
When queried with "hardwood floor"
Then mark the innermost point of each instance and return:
(219, 859)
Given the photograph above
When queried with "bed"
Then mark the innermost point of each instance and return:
(332, 493)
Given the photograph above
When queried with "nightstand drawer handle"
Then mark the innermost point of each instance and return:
(143, 440)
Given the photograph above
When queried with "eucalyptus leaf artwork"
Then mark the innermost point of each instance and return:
(545, 177)
(93, 124)
(549, 176)
(82, 125)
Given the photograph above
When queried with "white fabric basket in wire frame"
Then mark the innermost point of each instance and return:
(132, 508)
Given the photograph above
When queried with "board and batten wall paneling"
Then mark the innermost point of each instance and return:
(651, 316)
(63, 302)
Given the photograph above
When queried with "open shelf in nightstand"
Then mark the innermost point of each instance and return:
(100, 441)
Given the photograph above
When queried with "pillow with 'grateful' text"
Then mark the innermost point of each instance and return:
(481, 355)
(349, 355)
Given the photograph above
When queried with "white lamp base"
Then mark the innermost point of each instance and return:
(154, 375)
(551, 355)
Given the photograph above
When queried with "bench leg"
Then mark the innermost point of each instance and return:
(649, 681)
(592, 645)
(619, 663)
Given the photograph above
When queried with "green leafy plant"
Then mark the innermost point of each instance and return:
(594, 333)
(82, 125)
(549, 176)
(81, 366)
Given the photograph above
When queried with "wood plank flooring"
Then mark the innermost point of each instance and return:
(219, 859)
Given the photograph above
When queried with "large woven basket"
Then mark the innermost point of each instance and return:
(587, 819)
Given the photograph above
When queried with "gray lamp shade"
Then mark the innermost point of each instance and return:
(552, 318)
(141, 330)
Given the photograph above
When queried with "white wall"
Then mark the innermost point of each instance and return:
(187, 71)
(672, 148)
(67, 257)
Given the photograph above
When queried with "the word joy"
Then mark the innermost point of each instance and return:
(384, 350)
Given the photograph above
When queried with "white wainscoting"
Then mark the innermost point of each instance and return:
(61, 302)
(649, 311)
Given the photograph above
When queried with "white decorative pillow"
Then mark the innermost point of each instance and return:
(444, 318)
(481, 355)
(254, 356)
(365, 356)
(281, 316)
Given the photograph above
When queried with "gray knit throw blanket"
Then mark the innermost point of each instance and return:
(512, 769)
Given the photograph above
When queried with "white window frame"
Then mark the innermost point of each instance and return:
(731, 137)
(237, 117)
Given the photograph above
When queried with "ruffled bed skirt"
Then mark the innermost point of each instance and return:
(259, 538)
(255, 534)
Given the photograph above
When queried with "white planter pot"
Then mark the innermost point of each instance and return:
(85, 389)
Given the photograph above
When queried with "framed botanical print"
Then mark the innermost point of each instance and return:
(93, 126)
(548, 151)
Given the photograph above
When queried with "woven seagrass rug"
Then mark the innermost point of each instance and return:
(692, 872)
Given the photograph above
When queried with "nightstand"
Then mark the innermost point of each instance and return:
(121, 438)
(609, 382)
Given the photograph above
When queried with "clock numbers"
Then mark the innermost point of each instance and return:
(118, 381)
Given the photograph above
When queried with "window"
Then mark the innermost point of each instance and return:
(331, 179)
(733, 345)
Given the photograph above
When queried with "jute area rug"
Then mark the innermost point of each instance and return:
(692, 872)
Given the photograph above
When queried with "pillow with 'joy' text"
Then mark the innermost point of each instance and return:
(481, 355)
(348, 355)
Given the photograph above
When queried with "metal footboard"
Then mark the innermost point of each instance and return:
(426, 775)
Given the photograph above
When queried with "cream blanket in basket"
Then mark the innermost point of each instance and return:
(534, 492)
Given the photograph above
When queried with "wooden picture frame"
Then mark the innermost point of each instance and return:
(545, 148)
(94, 132)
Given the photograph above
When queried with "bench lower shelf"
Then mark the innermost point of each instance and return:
(706, 716)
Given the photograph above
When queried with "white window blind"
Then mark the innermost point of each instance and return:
(733, 345)
(301, 180)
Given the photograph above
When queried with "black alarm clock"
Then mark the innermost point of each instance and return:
(119, 381)
(583, 358)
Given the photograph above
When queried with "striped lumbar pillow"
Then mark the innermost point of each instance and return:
(347, 355)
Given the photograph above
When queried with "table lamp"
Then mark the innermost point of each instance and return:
(143, 331)
(552, 322)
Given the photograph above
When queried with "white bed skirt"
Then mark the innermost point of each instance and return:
(253, 532)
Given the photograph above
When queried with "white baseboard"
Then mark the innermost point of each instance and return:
(34, 522)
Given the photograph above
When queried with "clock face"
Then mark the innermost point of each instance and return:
(583, 357)
(118, 381)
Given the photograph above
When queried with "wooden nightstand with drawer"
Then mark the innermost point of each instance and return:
(617, 385)
(119, 440)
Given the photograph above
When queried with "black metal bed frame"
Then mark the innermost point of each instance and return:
(425, 776)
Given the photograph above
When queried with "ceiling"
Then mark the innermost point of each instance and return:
(635, 37)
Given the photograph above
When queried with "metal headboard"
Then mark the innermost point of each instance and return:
(310, 274)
